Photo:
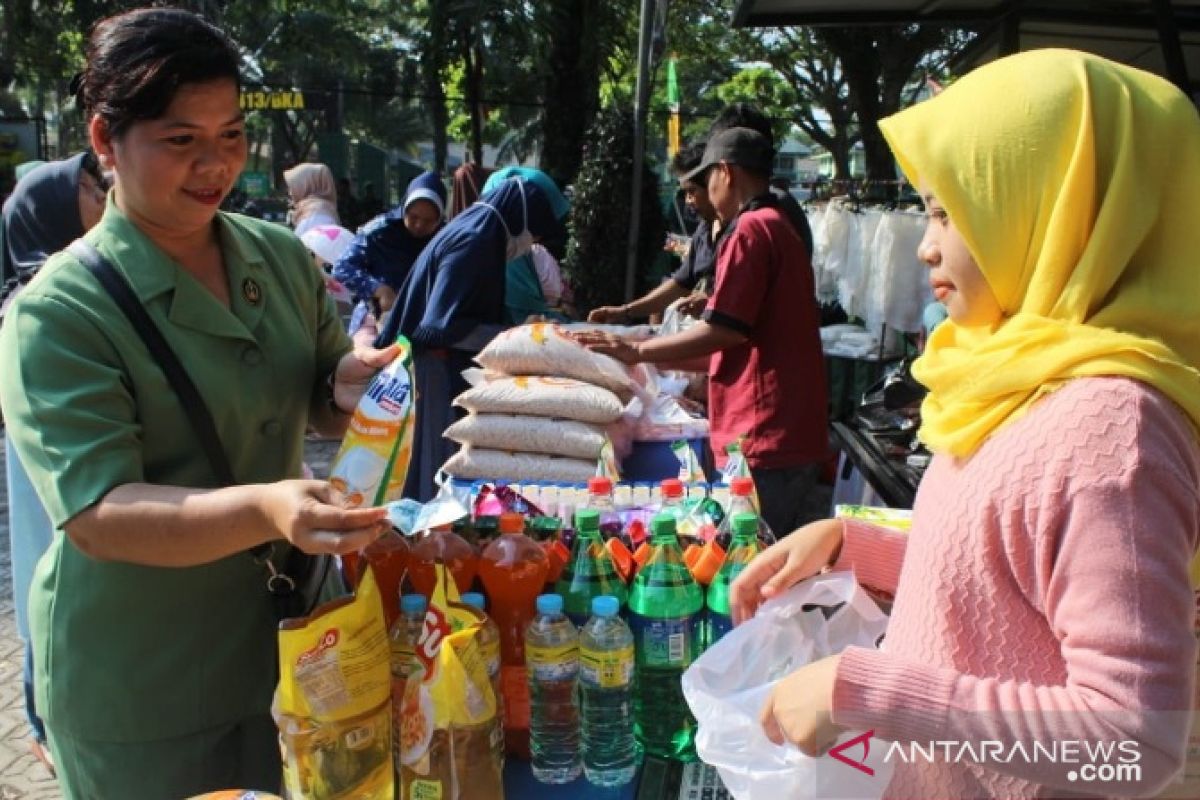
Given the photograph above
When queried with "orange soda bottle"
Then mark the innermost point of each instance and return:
(513, 569)
(388, 556)
(441, 545)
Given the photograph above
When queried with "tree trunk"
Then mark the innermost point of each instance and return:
(472, 54)
(433, 58)
(572, 85)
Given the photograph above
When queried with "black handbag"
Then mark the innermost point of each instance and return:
(298, 585)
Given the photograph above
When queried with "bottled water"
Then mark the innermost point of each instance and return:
(552, 654)
(606, 696)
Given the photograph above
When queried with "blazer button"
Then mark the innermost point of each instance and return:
(272, 427)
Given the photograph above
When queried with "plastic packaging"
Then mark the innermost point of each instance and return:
(606, 664)
(728, 686)
(372, 463)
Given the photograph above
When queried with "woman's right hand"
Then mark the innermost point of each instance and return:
(790, 560)
(309, 515)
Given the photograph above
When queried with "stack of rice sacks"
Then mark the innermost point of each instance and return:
(541, 411)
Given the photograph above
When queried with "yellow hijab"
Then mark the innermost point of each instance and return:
(1074, 181)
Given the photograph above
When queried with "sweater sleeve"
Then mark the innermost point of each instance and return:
(1112, 581)
(874, 553)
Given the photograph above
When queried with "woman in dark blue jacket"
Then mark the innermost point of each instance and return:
(452, 303)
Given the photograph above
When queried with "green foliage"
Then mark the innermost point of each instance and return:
(764, 88)
(600, 210)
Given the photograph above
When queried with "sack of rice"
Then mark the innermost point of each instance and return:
(542, 396)
(474, 463)
(542, 349)
(516, 432)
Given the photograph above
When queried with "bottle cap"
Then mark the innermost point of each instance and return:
(412, 603)
(605, 605)
(662, 524)
(512, 522)
(742, 487)
(672, 487)
(587, 519)
(549, 604)
(474, 599)
(745, 524)
(599, 485)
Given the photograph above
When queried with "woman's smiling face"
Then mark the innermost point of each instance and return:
(171, 173)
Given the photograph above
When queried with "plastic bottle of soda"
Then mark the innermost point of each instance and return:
(741, 501)
(673, 499)
(590, 571)
(489, 645)
(513, 569)
(600, 498)
(743, 548)
(665, 613)
(403, 636)
(606, 664)
(552, 646)
(441, 545)
(389, 557)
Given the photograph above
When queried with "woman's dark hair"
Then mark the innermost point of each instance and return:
(137, 60)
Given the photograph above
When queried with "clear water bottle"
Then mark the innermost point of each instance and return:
(552, 655)
(742, 501)
(606, 663)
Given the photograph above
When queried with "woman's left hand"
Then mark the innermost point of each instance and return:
(800, 708)
(354, 373)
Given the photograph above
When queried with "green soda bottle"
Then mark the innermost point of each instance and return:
(666, 615)
(589, 572)
(743, 547)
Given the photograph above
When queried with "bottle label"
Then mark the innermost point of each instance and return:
(608, 669)
(425, 790)
(667, 642)
(553, 663)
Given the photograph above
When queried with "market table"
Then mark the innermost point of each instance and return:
(895, 481)
(658, 779)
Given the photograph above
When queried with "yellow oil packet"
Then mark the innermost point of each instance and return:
(372, 463)
(333, 702)
(449, 709)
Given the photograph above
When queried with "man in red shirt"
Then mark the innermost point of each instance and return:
(759, 337)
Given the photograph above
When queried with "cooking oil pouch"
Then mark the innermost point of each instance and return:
(333, 702)
(690, 470)
(449, 708)
(372, 463)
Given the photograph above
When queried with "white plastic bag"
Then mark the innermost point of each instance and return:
(728, 686)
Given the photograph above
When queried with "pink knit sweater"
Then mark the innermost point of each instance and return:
(1041, 596)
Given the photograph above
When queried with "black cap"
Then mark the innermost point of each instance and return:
(744, 147)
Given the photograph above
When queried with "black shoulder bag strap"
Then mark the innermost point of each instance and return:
(193, 404)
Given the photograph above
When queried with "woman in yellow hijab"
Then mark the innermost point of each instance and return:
(1043, 595)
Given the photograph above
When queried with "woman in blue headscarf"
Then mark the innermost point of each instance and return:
(524, 295)
(383, 252)
(452, 303)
